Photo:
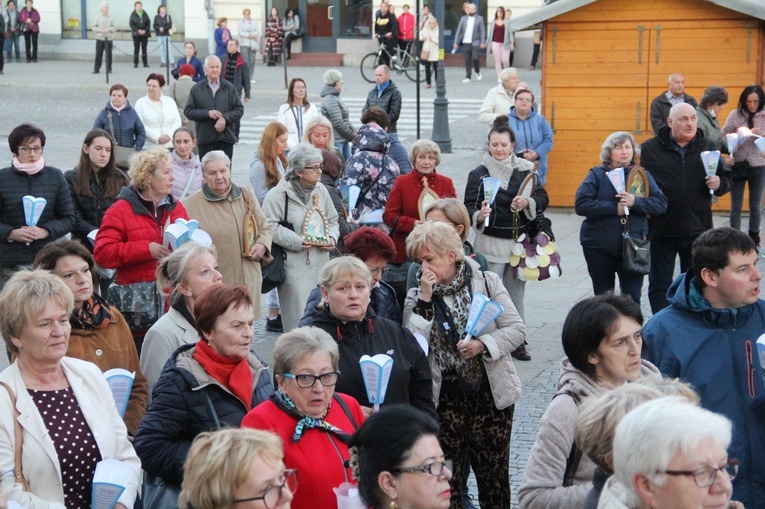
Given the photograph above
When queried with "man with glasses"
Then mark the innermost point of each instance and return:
(708, 337)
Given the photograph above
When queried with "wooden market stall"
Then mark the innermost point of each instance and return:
(604, 61)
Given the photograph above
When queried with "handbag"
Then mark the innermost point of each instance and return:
(140, 303)
(122, 154)
(535, 256)
(18, 439)
(158, 493)
(636, 253)
(273, 270)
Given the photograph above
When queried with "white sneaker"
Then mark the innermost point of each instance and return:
(478, 76)
(466, 80)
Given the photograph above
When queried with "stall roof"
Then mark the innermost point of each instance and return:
(754, 8)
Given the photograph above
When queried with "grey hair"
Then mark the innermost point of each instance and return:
(297, 343)
(332, 76)
(669, 79)
(173, 269)
(215, 155)
(209, 58)
(319, 121)
(103, 4)
(713, 95)
(649, 437)
(300, 157)
(614, 140)
(426, 146)
(507, 72)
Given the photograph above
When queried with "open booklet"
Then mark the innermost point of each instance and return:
(376, 371)
(109, 481)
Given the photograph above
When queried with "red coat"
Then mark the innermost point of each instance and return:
(315, 456)
(126, 231)
(406, 27)
(402, 203)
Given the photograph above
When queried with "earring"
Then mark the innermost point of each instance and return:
(393, 504)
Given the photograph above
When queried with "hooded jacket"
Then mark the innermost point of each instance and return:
(89, 212)
(689, 204)
(337, 112)
(389, 100)
(542, 484)
(715, 350)
(181, 409)
(533, 133)
(128, 128)
(127, 230)
(410, 380)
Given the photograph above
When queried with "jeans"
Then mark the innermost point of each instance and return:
(664, 251)
(165, 51)
(756, 181)
(100, 47)
(13, 42)
(472, 55)
(30, 41)
(602, 268)
(345, 149)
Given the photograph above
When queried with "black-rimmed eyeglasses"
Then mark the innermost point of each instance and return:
(436, 468)
(315, 167)
(308, 381)
(705, 477)
(275, 493)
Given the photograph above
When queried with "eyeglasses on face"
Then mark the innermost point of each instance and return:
(33, 150)
(316, 167)
(308, 381)
(524, 99)
(705, 477)
(376, 271)
(273, 495)
(436, 468)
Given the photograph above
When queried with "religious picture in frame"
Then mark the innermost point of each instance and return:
(315, 229)
(249, 231)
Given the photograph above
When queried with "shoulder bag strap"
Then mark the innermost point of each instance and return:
(213, 413)
(111, 125)
(18, 438)
(346, 410)
(364, 192)
(188, 184)
(575, 456)
(284, 220)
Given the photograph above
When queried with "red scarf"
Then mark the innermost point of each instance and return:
(236, 376)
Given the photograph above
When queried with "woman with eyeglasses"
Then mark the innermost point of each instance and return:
(344, 313)
(375, 249)
(398, 461)
(235, 466)
(534, 136)
(207, 385)
(314, 422)
(29, 175)
(295, 195)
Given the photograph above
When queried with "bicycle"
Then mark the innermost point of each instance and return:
(401, 62)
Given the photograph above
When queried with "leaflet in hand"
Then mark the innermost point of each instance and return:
(121, 383)
(353, 198)
(182, 231)
(109, 481)
(483, 311)
(33, 209)
(376, 371)
(372, 217)
(710, 159)
(491, 187)
(731, 141)
(616, 177)
(92, 236)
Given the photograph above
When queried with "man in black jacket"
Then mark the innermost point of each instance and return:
(140, 26)
(216, 106)
(673, 157)
(387, 96)
(236, 70)
(675, 94)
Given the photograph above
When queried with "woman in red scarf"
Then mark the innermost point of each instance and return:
(99, 332)
(207, 385)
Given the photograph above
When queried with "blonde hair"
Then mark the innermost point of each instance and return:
(24, 298)
(143, 164)
(220, 461)
(439, 238)
(343, 266)
(426, 146)
(455, 211)
(173, 269)
(320, 121)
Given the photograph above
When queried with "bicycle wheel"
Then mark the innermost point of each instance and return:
(412, 62)
(368, 66)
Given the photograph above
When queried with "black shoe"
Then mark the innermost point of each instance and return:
(95, 72)
(135, 66)
(34, 60)
(521, 354)
(274, 324)
(18, 60)
(146, 65)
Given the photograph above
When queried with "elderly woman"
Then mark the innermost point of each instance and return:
(158, 113)
(314, 422)
(429, 39)
(471, 377)
(232, 466)
(99, 333)
(712, 101)
(120, 120)
(375, 249)
(207, 385)
(29, 175)
(296, 112)
(186, 272)
(500, 99)
(749, 161)
(286, 206)
(46, 397)
(669, 453)
(534, 134)
(510, 217)
(221, 208)
(336, 111)
(399, 462)
(344, 313)
(602, 341)
(453, 212)
(606, 219)
(131, 235)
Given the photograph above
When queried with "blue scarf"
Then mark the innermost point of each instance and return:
(285, 404)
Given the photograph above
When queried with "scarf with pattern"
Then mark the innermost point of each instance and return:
(94, 314)
(305, 422)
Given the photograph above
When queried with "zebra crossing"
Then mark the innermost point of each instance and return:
(252, 127)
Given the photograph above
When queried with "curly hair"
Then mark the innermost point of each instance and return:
(144, 163)
(367, 242)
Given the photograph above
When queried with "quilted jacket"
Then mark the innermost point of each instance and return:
(128, 128)
(89, 212)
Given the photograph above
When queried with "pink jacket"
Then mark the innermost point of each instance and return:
(406, 27)
(182, 172)
(746, 149)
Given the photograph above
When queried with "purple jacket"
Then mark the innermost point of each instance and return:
(34, 15)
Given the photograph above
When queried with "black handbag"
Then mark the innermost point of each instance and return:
(140, 303)
(636, 253)
(274, 271)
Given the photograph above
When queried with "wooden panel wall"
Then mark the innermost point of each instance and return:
(605, 62)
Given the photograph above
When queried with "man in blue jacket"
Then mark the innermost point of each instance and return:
(708, 338)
